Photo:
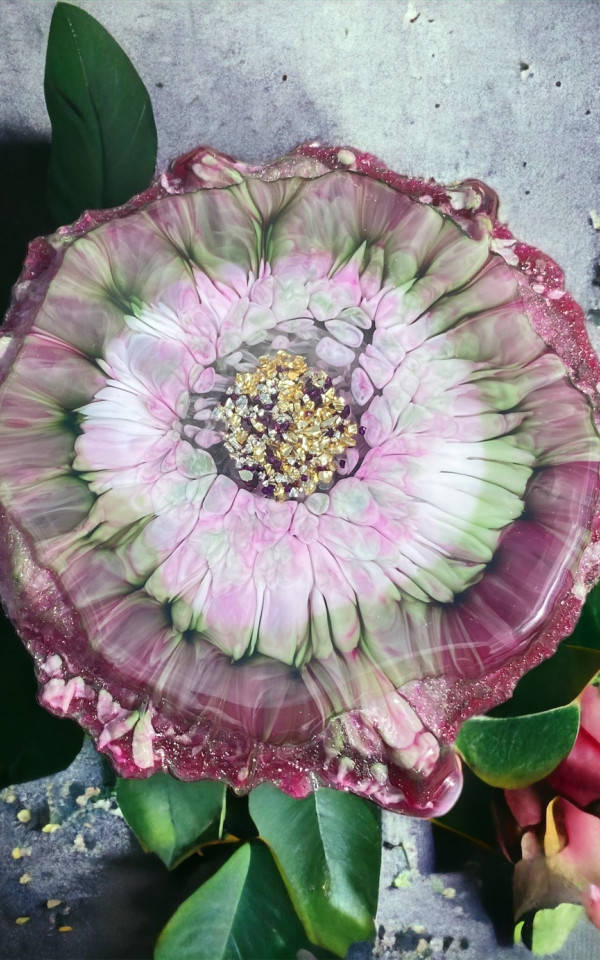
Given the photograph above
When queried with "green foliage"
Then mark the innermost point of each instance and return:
(242, 912)
(103, 134)
(511, 752)
(319, 883)
(545, 931)
(172, 818)
(327, 848)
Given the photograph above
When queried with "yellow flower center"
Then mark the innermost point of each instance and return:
(285, 427)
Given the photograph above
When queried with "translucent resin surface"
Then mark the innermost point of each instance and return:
(299, 469)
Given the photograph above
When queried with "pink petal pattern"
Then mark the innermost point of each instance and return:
(193, 624)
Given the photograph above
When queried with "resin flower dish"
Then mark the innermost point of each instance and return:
(300, 470)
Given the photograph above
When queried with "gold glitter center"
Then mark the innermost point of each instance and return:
(285, 427)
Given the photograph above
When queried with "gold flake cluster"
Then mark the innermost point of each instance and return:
(285, 427)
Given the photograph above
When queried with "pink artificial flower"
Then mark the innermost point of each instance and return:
(326, 604)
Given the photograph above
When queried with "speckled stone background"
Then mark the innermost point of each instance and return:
(503, 90)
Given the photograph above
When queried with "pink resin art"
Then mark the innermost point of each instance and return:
(210, 598)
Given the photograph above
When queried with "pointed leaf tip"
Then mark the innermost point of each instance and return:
(104, 140)
(328, 848)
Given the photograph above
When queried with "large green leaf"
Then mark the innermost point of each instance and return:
(33, 742)
(170, 817)
(103, 134)
(512, 752)
(242, 913)
(328, 849)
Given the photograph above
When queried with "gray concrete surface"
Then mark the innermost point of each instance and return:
(74, 883)
(502, 90)
(84, 890)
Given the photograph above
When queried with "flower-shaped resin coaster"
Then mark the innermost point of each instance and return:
(299, 470)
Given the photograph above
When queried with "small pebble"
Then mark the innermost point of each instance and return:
(401, 880)
(90, 792)
(21, 920)
(50, 827)
(65, 929)
(24, 816)
(449, 893)
(79, 843)
(346, 157)
(18, 852)
(51, 904)
(26, 878)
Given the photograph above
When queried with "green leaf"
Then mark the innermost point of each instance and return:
(328, 849)
(170, 817)
(103, 134)
(33, 742)
(553, 683)
(512, 752)
(552, 927)
(547, 930)
(242, 913)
